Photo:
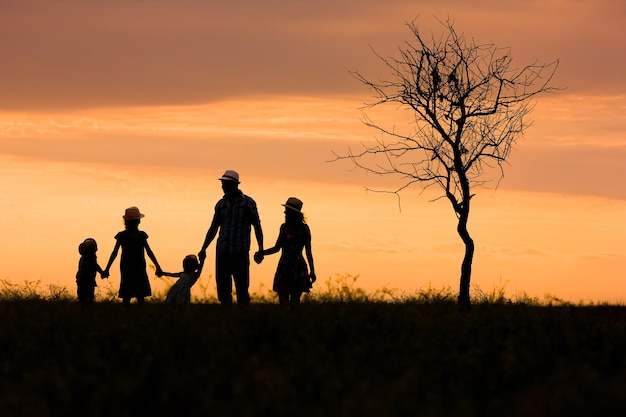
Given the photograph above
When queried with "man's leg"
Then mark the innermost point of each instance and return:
(241, 275)
(223, 272)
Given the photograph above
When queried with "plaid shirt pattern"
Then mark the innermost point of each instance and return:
(235, 221)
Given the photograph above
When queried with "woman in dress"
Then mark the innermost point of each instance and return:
(134, 244)
(293, 277)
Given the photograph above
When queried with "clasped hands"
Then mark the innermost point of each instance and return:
(258, 257)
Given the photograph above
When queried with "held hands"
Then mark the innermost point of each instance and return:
(104, 274)
(258, 257)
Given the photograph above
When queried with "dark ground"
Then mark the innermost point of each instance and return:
(344, 359)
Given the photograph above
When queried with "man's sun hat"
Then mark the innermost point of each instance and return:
(294, 204)
(132, 213)
(230, 175)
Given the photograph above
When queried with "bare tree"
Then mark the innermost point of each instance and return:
(468, 104)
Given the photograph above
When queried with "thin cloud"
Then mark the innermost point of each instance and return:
(513, 252)
(603, 256)
(388, 246)
(575, 170)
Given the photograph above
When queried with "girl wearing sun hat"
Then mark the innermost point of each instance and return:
(292, 277)
(134, 281)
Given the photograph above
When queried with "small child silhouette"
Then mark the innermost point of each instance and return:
(179, 294)
(86, 275)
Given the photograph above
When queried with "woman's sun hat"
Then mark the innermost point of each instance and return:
(294, 204)
(230, 175)
(132, 213)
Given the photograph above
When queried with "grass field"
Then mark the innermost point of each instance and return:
(418, 356)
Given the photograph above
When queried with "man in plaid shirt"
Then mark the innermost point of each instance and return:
(235, 215)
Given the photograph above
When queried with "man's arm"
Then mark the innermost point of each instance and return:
(258, 232)
(210, 235)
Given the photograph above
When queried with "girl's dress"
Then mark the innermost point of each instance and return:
(292, 275)
(134, 277)
(180, 293)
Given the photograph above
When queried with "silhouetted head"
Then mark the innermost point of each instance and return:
(294, 204)
(293, 210)
(132, 217)
(132, 224)
(88, 247)
(190, 263)
(230, 182)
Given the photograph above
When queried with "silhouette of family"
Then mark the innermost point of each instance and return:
(234, 217)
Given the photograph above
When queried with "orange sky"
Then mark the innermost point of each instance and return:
(110, 104)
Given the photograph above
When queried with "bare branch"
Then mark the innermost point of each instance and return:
(469, 105)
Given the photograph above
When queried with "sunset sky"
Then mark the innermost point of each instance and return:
(110, 104)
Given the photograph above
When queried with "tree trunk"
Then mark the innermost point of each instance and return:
(466, 266)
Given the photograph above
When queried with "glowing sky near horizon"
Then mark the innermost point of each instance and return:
(105, 105)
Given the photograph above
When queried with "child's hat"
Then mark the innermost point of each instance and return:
(293, 203)
(132, 213)
(230, 175)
